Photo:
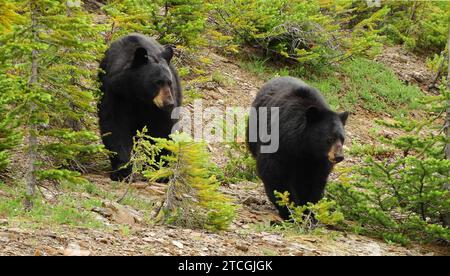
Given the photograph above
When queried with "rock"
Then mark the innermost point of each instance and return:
(373, 249)
(253, 200)
(272, 239)
(178, 244)
(74, 249)
(419, 77)
(5, 237)
(3, 194)
(221, 90)
(102, 240)
(107, 213)
(140, 185)
(148, 239)
(4, 222)
(311, 240)
(242, 248)
(119, 213)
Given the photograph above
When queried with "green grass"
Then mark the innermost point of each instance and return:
(367, 84)
(355, 83)
(257, 66)
(362, 150)
(221, 79)
(68, 210)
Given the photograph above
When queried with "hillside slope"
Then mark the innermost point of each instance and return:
(123, 229)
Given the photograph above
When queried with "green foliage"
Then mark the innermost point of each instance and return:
(241, 165)
(375, 151)
(437, 63)
(358, 82)
(294, 30)
(45, 58)
(66, 211)
(303, 217)
(8, 15)
(193, 198)
(9, 136)
(404, 198)
(177, 22)
(367, 84)
(419, 25)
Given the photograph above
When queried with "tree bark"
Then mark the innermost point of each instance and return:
(32, 127)
(446, 218)
(75, 125)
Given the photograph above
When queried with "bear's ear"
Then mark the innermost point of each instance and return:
(140, 57)
(344, 116)
(168, 53)
(313, 114)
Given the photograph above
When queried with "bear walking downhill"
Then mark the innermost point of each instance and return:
(311, 138)
(140, 89)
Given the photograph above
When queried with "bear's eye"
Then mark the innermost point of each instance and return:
(160, 83)
(330, 141)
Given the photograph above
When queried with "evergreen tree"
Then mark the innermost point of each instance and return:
(177, 22)
(8, 135)
(182, 21)
(193, 198)
(402, 198)
(49, 52)
(8, 15)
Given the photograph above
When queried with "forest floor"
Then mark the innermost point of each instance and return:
(123, 229)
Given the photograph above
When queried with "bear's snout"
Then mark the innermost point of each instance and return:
(336, 153)
(164, 99)
(338, 159)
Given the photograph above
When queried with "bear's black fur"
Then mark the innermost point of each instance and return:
(140, 88)
(311, 137)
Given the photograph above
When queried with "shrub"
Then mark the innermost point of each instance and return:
(177, 22)
(402, 199)
(419, 25)
(306, 32)
(241, 165)
(304, 218)
(193, 198)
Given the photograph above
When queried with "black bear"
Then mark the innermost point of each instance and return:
(311, 137)
(140, 88)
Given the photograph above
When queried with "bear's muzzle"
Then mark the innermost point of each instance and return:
(164, 99)
(336, 153)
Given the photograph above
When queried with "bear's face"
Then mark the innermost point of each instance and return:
(153, 78)
(325, 135)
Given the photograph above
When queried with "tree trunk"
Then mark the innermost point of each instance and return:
(73, 124)
(447, 124)
(32, 127)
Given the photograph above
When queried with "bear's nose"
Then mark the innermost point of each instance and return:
(338, 159)
(169, 106)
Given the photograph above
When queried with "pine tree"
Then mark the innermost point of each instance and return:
(402, 198)
(193, 198)
(182, 21)
(8, 136)
(50, 50)
(177, 22)
(8, 15)
(127, 16)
